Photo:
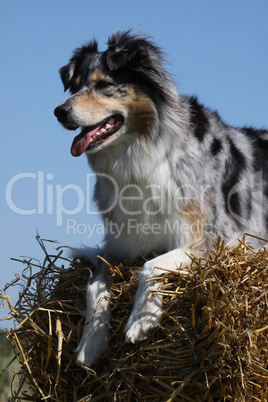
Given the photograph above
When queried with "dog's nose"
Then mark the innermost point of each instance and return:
(61, 112)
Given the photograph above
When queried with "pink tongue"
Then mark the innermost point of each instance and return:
(82, 141)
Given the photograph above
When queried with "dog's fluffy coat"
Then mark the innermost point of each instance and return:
(169, 172)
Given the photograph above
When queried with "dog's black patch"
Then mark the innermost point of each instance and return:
(199, 119)
(260, 147)
(216, 146)
(233, 167)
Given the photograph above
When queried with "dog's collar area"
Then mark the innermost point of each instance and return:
(93, 136)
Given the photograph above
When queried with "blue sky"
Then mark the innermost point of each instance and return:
(218, 50)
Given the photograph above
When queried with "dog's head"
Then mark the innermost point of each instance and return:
(116, 94)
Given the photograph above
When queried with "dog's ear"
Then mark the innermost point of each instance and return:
(66, 74)
(133, 51)
(119, 57)
(81, 57)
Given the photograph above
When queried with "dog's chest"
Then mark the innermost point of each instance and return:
(141, 215)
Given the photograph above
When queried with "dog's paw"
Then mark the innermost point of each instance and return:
(143, 320)
(96, 334)
(94, 341)
(137, 330)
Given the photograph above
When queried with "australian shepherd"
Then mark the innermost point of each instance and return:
(169, 173)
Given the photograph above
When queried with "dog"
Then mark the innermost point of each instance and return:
(169, 173)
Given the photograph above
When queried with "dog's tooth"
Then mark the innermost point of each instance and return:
(111, 120)
(108, 125)
(103, 130)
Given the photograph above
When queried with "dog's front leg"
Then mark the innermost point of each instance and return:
(147, 310)
(96, 335)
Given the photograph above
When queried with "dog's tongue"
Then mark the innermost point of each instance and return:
(82, 141)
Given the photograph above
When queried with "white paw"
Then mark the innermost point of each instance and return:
(94, 341)
(143, 319)
(96, 334)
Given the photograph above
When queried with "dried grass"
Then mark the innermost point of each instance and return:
(211, 344)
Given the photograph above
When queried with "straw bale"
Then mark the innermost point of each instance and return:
(211, 344)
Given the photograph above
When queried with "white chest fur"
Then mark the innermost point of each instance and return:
(141, 213)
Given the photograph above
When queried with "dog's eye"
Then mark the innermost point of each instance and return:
(103, 84)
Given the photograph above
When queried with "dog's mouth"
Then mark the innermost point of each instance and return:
(93, 136)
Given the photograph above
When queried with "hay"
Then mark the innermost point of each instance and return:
(211, 344)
